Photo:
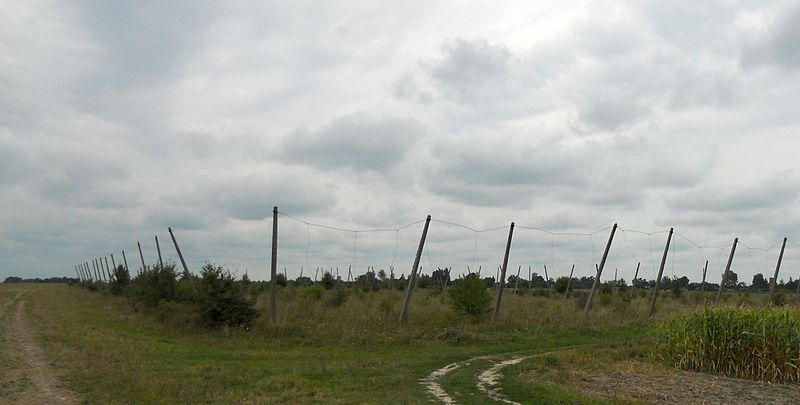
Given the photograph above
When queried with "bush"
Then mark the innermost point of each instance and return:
(154, 285)
(469, 296)
(220, 300)
(328, 281)
(561, 285)
(338, 298)
(313, 293)
(120, 281)
(778, 299)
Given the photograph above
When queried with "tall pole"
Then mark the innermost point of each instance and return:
(727, 269)
(703, 284)
(777, 269)
(569, 281)
(599, 271)
(636, 275)
(503, 275)
(125, 260)
(88, 272)
(113, 264)
(273, 282)
(108, 269)
(158, 248)
(546, 278)
(178, 249)
(141, 256)
(660, 272)
(412, 279)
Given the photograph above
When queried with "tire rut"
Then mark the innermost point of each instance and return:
(29, 378)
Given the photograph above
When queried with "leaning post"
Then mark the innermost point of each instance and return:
(141, 256)
(273, 282)
(158, 248)
(412, 279)
(503, 275)
(569, 281)
(660, 273)
(727, 269)
(777, 269)
(599, 271)
(178, 249)
(125, 260)
(703, 284)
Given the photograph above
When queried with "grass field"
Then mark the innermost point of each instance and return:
(352, 352)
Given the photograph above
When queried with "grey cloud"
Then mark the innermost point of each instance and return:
(514, 175)
(778, 191)
(252, 197)
(471, 69)
(779, 45)
(359, 142)
(611, 112)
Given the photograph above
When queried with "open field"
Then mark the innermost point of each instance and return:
(353, 350)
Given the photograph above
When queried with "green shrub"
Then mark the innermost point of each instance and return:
(220, 300)
(470, 297)
(778, 299)
(561, 285)
(337, 298)
(314, 292)
(762, 345)
(154, 284)
(120, 281)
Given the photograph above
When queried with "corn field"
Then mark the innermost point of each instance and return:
(756, 344)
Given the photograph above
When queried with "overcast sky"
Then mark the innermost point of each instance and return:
(119, 119)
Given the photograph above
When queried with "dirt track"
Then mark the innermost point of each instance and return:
(28, 377)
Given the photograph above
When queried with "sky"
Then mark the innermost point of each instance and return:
(121, 119)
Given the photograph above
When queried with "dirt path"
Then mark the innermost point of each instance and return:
(488, 379)
(28, 377)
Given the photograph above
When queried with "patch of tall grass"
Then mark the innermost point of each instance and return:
(757, 344)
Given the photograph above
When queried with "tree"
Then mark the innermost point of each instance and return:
(731, 280)
(470, 297)
(221, 301)
(561, 285)
(759, 283)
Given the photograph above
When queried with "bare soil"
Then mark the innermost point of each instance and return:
(636, 381)
(28, 378)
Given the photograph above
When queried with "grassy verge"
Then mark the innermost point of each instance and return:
(114, 354)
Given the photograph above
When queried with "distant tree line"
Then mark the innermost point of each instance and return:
(15, 279)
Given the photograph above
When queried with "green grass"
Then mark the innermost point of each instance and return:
(356, 352)
(757, 344)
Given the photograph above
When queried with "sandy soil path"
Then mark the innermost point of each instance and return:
(28, 378)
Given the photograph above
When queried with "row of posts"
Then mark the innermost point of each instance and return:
(499, 297)
(96, 272)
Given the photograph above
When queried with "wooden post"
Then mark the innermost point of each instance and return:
(113, 263)
(108, 269)
(412, 279)
(660, 273)
(703, 284)
(125, 260)
(615, 276)
(86, 272)
(546, 278)
(503, 275)
(158, 249)
(777, 269)
(315, 274)
(178, 249)
(599, 271)
(141, 256)
(273, 283)
(516, 281)
(636, 275)
(569, 281)
(727, 269)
